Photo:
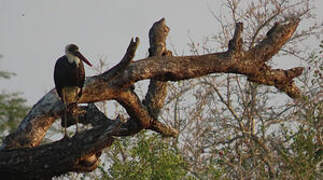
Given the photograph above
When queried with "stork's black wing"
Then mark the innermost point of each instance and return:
(68, 74)
(59, 74)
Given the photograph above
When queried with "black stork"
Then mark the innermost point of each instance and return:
(69, 76)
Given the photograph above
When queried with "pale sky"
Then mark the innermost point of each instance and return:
(33, 33)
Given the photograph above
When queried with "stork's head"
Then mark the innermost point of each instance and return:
(73, 54)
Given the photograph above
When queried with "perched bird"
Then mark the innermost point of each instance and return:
(69, 76)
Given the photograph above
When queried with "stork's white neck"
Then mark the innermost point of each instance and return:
(73, 59)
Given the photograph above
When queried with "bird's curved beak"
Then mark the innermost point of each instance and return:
(79, 55)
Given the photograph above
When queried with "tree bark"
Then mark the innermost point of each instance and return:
(21, 152)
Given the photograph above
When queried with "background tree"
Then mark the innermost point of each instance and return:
(12, 108)
(230, 123)
(221, 103)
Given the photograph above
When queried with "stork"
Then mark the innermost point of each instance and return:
(69, 76)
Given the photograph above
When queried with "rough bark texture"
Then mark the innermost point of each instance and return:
(20, 152)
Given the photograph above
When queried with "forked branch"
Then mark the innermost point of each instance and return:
(117, 83)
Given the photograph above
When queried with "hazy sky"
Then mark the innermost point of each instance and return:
(33, 33)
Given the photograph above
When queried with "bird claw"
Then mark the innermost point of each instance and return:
(78, 111)
(77, 129)
(65, 137)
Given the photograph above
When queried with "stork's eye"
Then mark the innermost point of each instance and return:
(72, 48)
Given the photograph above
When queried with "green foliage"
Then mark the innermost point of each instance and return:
(150, 158)
(302, 156)
(12, 110)
(305, 152)
(12, 107)
(302, 153)
(6, 75)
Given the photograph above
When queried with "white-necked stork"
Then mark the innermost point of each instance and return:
(69, 76)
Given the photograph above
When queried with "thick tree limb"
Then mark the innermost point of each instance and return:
(157, 90)
(281, 79)
(116, 84)
(276, 37)
(80, 153)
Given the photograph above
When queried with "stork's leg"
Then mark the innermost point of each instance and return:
(76, 120)
(65, 112)
(65, 121)
(71, 96)
(78, 113)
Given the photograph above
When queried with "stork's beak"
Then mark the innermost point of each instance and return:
(79, 55)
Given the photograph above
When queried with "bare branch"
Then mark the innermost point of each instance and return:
(79, 154)
(157, 90)
(125, 61)
(117, 83)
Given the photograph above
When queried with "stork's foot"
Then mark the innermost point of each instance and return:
(76, 129)
(78, 112)
(77, 120)
(65, 137)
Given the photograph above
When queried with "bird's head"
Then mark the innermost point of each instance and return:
(73, 54)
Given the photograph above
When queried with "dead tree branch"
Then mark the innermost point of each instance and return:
(20, 151)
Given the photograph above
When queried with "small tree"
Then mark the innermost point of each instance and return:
(12, 108)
